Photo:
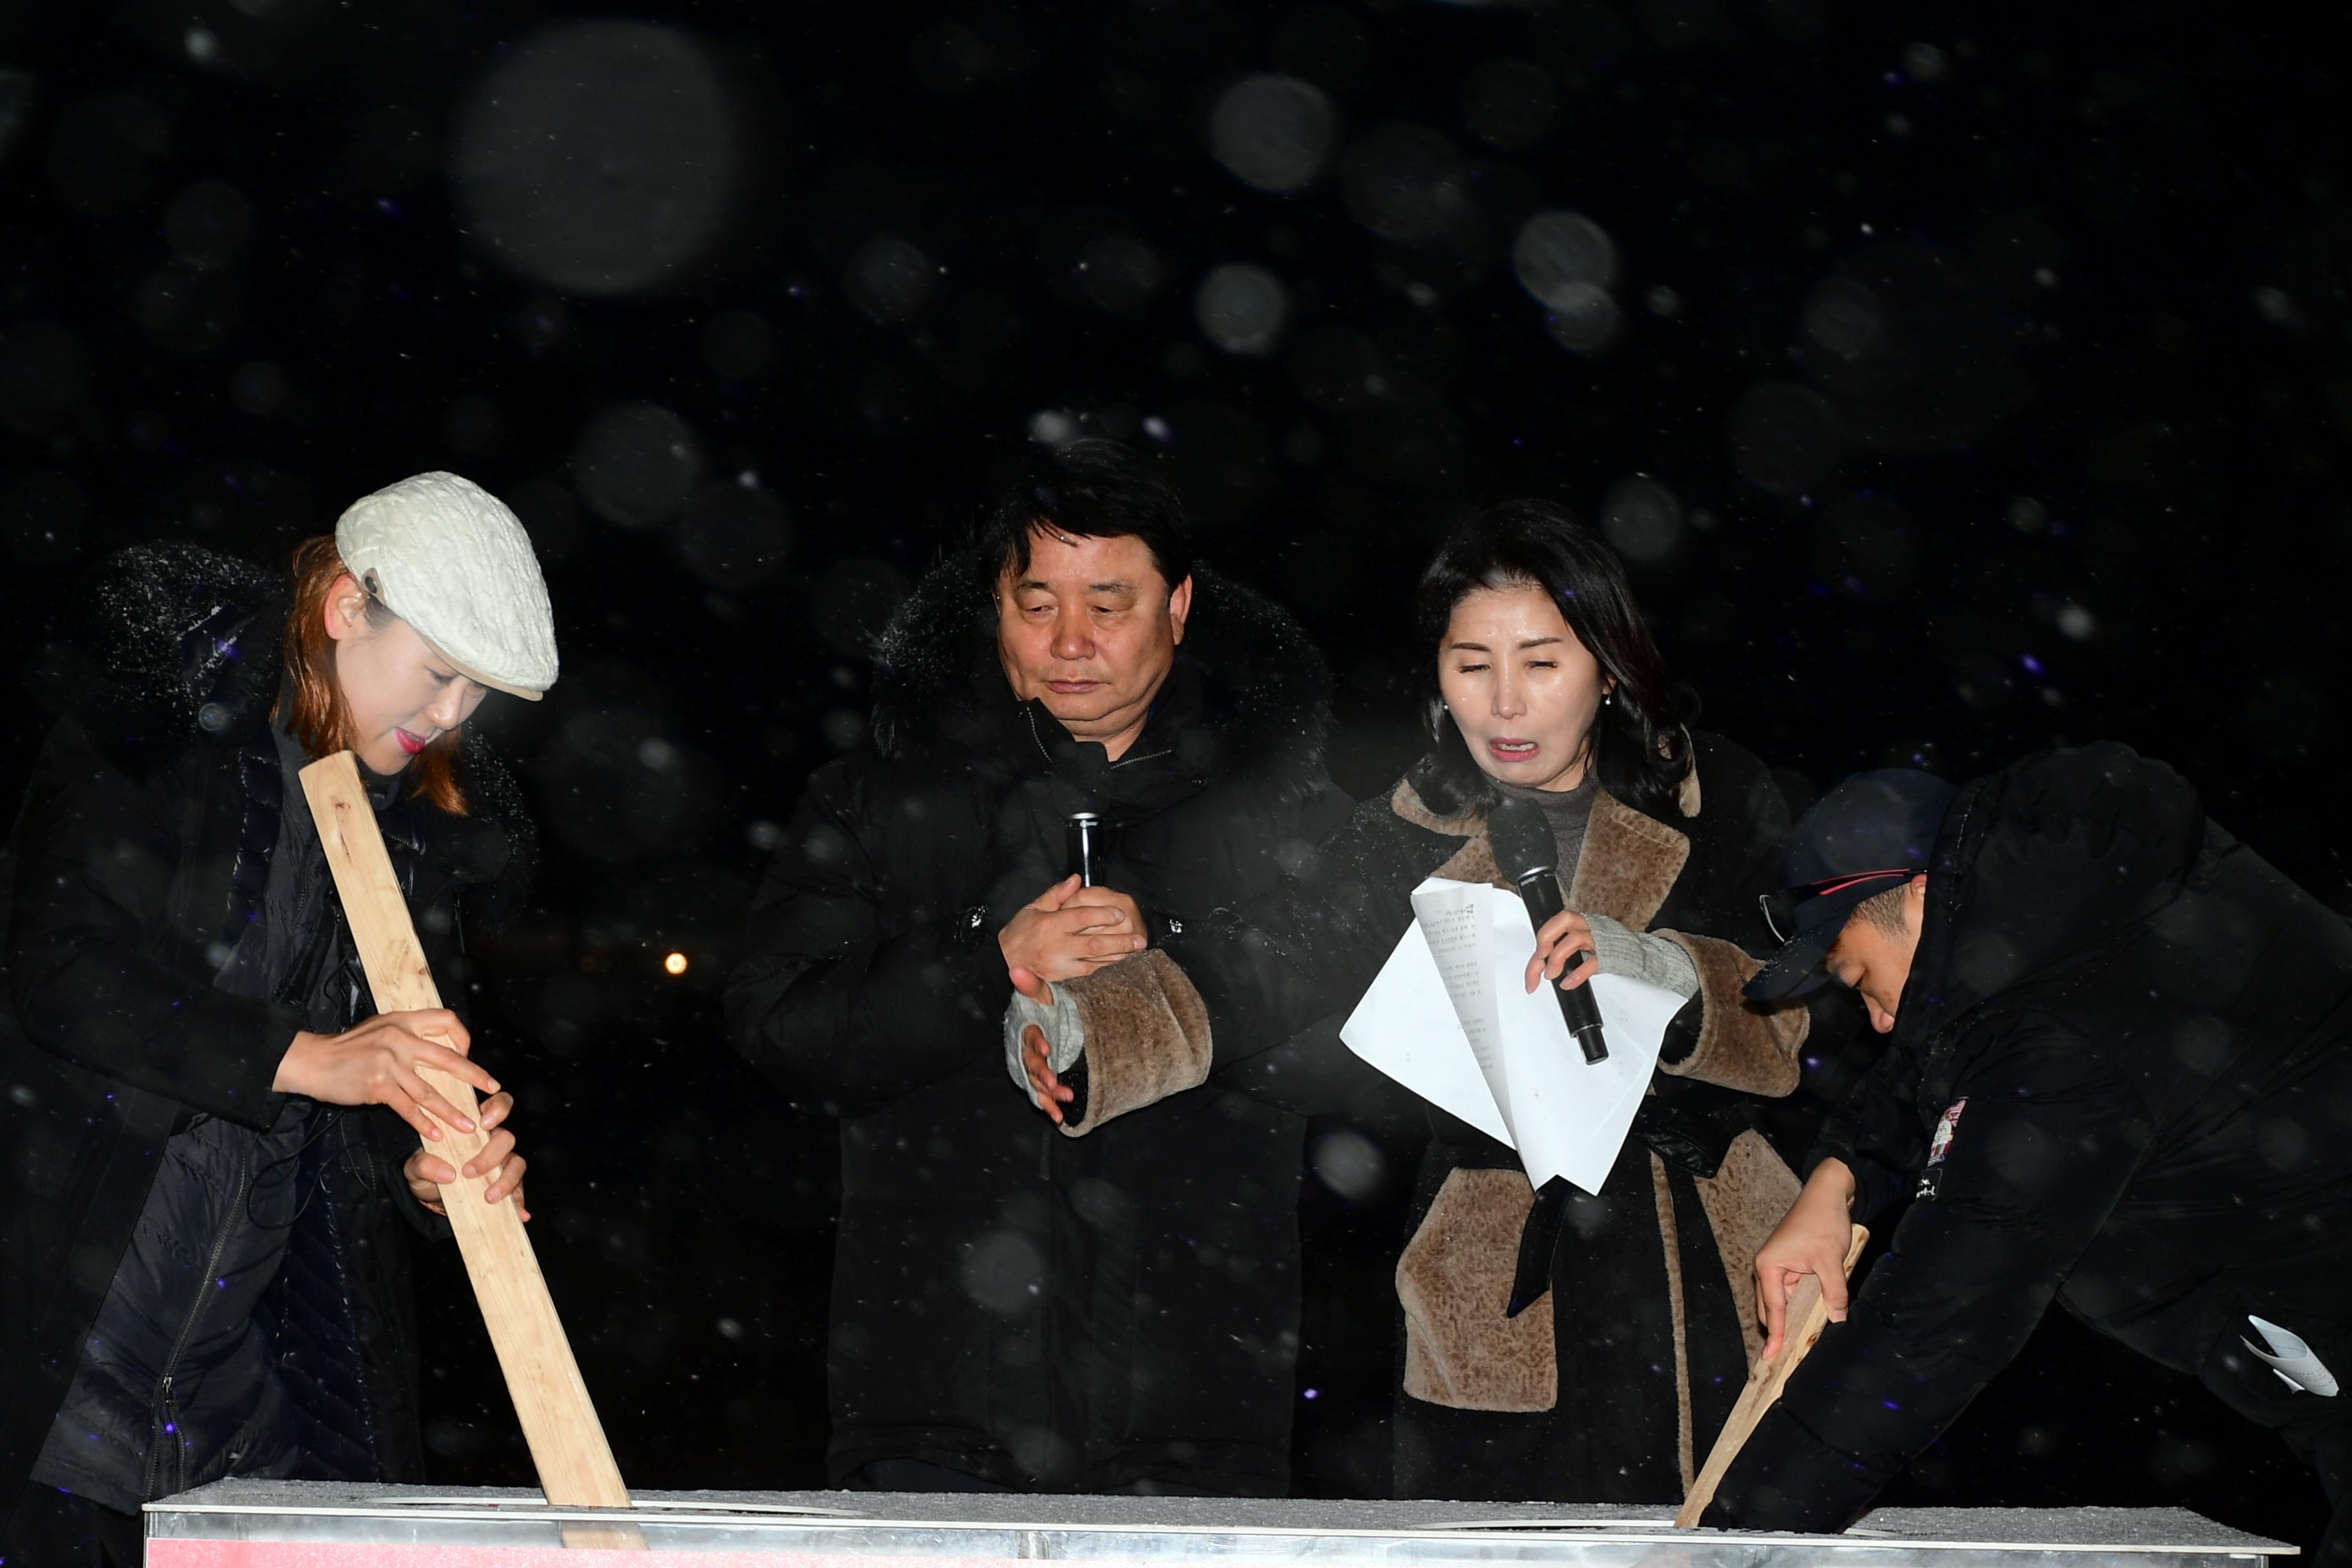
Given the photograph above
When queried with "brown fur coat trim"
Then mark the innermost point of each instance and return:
(1740, 1046)
(1406, 802)
(1625, 871)
(1628, 866)
(1146, 1037)
(1670, 1242)
(1745, 1201)
(1453, 1282)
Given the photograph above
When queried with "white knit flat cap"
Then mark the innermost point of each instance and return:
(448, 557)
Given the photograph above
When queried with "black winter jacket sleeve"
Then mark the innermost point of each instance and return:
(1314, 942)
(2044, 1144)
(839, 1000)
(96, 856)
(1878, 1137)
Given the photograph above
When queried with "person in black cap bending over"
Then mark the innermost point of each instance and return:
(2117, 1073)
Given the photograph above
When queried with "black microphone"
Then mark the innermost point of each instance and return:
(1082, 836)
(1523, 847)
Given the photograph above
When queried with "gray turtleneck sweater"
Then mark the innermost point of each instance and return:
(1635, 954)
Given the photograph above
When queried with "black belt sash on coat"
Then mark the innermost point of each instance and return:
(1692, 1129)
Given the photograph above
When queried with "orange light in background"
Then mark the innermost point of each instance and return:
(675, 964)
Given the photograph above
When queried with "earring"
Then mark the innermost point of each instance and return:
(1608, 697)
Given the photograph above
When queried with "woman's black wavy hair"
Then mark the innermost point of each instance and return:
(1641, 747)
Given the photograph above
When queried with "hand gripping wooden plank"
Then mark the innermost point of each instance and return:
(1807, 1316)
(559, 1422)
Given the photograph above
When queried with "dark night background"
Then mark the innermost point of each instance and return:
(1957, 381)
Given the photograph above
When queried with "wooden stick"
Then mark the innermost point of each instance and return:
(1801, 1328)
(559, 1422)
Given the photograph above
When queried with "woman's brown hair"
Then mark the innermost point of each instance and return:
(319, 720)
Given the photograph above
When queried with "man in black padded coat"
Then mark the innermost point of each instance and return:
(2119, 1074)
(1012, 1308)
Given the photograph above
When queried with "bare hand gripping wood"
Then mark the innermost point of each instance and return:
(1807, 1316)
(559, 1422)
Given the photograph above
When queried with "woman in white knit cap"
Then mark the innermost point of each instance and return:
(213, 1142)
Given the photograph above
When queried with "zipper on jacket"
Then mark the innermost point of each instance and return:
(167, 1420)
(1029, 715)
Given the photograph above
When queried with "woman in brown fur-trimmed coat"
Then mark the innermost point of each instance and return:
(1609, 1388)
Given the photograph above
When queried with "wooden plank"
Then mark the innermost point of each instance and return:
(1807, 1316)
(559, 1420)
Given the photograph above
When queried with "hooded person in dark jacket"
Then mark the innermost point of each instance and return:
(1012, 1309)
(1557, 1344)
(2119, 1074)
(209, 1182)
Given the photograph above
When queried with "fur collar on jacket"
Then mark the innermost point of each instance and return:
(171, 646)
(170, 643)
(1264, 685)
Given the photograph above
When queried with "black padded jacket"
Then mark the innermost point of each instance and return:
(141, 856)
(2120, 1078)
(1043, 1312)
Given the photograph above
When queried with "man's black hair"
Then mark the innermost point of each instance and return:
(1090, 488)
(1888, 911)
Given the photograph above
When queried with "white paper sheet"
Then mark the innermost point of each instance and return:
(1459, 931)
(1406, 1027)
(1449, 1017)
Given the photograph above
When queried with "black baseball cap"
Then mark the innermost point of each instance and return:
(1874, 832)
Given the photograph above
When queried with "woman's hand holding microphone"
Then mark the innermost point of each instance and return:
(1579, 946)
